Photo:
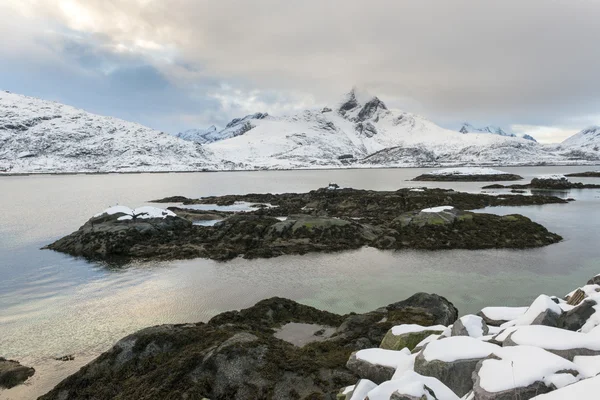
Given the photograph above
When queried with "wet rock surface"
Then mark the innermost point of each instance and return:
(468, 178)
(587, 174)
(12, 373)
(236, 355)
(546, 184)
(325, 220)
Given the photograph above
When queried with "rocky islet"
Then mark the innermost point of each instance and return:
(323, 220)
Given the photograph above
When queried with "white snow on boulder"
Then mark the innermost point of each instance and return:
(522, 366)
(541, 304)
(458, 348)
(473, 324)
(586, 389)
(554, 177)
(503, 313)
(467, 171)
(589, 365)
(145, 212)
(361, 389)
(412, 328)
(551, 338)
(383, 357)
(437, 209)
(413, 384)
(428, 339)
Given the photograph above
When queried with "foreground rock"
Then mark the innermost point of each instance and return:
(468, 175)
(12, 373)
(236, 355)
(518, 356)
(326, 221)
(549, 182)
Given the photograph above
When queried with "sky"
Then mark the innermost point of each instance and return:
(527, 66)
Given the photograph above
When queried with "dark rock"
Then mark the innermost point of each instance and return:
(587, 174)
(459, 329)
(431, 309)
(469, 178)
(366, 370)
(370, 109)
(574, 319)
(12, 373)
(233, 356)
(594, 281)
(320, 221)
(547, 318)
(454, 374)
(172, 199)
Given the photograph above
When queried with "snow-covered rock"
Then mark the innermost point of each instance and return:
(564, 343)
(470, 325)
(377, 365)
(411, 386)
(452, 360)
(408, 335)
(360, 390)
(522, 372)
(146, 212)
(587, 389)
(44, 136)
(467, 171)
(543, 311)
(497, 316)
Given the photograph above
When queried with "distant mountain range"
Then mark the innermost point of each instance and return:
(44, 136)
(494, 130)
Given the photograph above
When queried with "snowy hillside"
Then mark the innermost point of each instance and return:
(201, 136)
(364, 132)
(236, 127)
(44, 136)
(587, 139)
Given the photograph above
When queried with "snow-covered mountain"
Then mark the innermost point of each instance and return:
(201, 136)
(236, 127)
(588, 138)
(44, 136)
(364, 132)
(493, 130)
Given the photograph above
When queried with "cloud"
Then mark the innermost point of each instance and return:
(507, 63)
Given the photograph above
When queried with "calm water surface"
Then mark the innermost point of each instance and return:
(52, 304)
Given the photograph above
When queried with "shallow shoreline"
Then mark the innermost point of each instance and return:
(325, 168)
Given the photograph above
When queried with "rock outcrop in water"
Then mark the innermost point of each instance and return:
(320, 221)
(551, 182)
(12, 373)
(587, 174)
(247, 354)
(468, 175)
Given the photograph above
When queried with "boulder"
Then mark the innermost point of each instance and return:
(580, 317)
(564, 343)
(358, 391)
(453, 360)
(410, 386)
(543, 311)
(595, 280)
(497, 316)
(522, 372)
(580, 390)
(241, 355)
(377, 365)
(408, 335)
(432, 309)
(12, 373)
(470, 325)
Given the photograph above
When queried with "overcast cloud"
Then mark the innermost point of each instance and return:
(530, 66)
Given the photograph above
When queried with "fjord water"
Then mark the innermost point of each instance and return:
(52, 304)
